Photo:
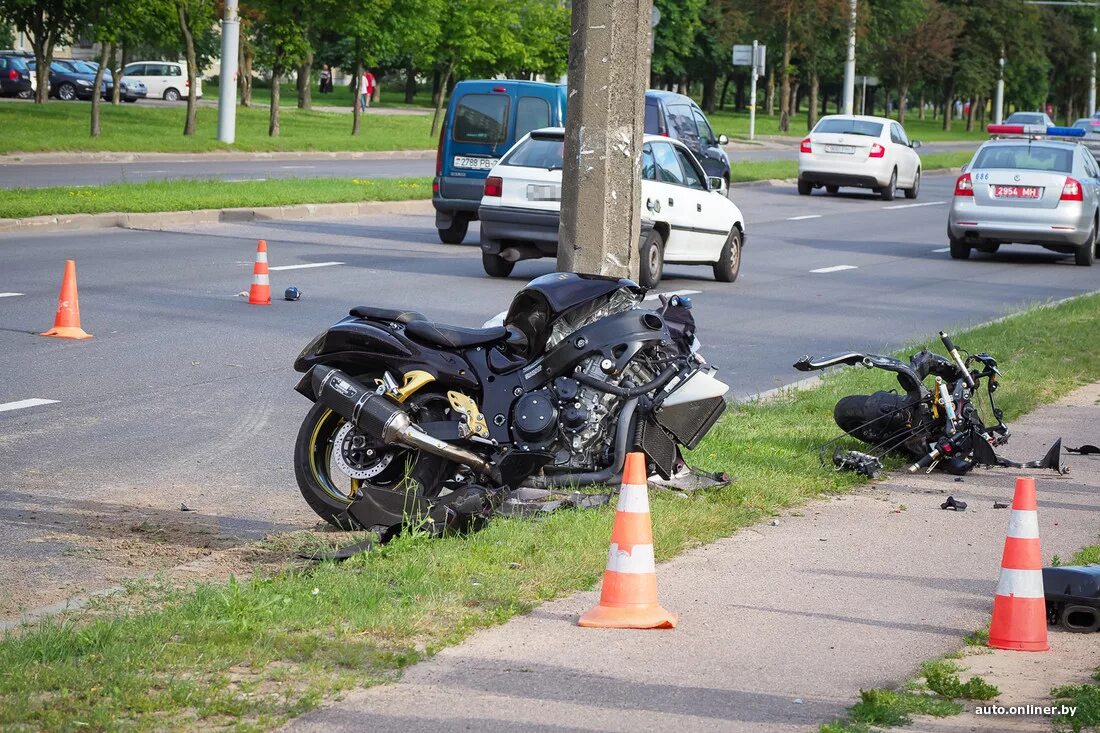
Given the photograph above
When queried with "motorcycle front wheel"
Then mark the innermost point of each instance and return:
(334, 464)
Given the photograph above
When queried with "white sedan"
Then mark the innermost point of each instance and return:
(685, 218)
(860, 151)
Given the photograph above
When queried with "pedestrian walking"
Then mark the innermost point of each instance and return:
(366, 89)
(326, 79)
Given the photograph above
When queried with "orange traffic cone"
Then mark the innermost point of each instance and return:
(1019, 608)
(628, 599)
(66, 324)
(260, 292)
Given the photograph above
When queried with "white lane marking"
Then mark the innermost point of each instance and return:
(835, 268)
(9, 295)
(942, 249)
(305, 267)
(22, 404)
(801, 218)
(913, 206)
(654, 296)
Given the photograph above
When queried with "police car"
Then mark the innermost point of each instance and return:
(1030, 184)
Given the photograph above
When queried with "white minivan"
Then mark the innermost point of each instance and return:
(164, 79)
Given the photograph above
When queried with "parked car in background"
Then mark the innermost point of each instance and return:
(1027, 190)
(860, 151)
(15, 77)
(1091, 126)
(686, 218)
(1029, 118)
(162, 79)
(68, 84)
(132, 89)
(483, 120)
(679, 117)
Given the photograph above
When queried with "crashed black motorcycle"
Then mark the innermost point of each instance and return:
(939, 426)
(428, 424)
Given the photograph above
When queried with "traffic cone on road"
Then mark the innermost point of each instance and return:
(66, 324)
(260, 292)
(1019, 608)
(628, 599)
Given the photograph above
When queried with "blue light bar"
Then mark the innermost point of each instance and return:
(1066, 131)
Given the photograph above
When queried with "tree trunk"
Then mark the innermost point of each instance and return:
(273, 115)
(710, 81)
(722, 95)
(97, 94)
(437, 86)
(948, 106)
(920, 111)
(244, 73)
(769, 97)
(796, 97)
(42, 44)
(192, 66)
(785, 83)
(970, 114)
(811, 110)
(305, 76)
(903, 101)
(439, 104)
(116, 73)
(356, 104)
(410, 84)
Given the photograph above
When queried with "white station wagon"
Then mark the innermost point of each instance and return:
(685, 218)
(163, 79)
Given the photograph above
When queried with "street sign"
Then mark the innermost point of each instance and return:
(869, 81)
(743, 56)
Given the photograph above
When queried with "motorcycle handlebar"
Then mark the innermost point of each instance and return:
(950, 346)
(925, 462)
(947, 342)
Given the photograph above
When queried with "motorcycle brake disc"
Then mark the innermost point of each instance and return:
(357, 456)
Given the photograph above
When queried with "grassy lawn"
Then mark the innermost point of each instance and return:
(736, 125)
(63, 127)
(253, 653)
(188, 195)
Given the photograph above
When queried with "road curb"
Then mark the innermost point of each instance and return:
(172, 219)
(123, 157)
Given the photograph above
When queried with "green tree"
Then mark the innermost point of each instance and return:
(197, 19)
(46, 23)
(282, 44)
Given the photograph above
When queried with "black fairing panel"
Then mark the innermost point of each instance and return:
(564, 290)
(357, 347)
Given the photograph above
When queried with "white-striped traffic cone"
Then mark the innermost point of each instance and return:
(1019, 608)
(260, 292)
(628, 599)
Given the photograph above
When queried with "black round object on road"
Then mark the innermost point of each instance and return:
(292, 293)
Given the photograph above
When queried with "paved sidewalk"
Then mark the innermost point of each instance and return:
(780, 626)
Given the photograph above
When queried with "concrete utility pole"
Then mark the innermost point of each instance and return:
(850, 64)
(601, 183)
(227, 95)
(999, 97)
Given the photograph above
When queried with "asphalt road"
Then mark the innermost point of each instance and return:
(184, 395)
(38, 175)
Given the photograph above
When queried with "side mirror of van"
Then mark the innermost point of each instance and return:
(915, 144)
(714, 183)
(723, 140)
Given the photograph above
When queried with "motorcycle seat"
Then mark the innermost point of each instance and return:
(385, 314)
(441, 334)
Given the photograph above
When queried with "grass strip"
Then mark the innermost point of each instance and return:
(63, 127)
(761, 170)
(188, 195)
(251, 654)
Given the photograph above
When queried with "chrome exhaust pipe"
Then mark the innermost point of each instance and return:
(380, 417)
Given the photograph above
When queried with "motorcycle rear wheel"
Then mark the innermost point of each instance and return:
(329, 491)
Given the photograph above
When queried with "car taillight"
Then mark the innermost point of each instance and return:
(804, 147)
(13, 75)
(963, 186)
(493, 186)
(1071, 190)
(439, 156)
(877, 151)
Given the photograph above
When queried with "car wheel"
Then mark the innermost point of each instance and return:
(804, 187)
(911, 193)
(960, 250)
(171, 95)
(129, 100)
(66, 92)
(1085, 255)
(728, 265)
(25, 94)
(887, 191)
(653, 260)
(832, 189)
(496, 266)
(456, 232)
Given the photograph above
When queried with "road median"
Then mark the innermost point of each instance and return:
(268, 648)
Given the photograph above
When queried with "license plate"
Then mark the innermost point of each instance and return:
(477, 164)
(842, 149)
(537, 192)
(1017, 192)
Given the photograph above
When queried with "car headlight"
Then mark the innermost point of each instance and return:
(83, 82)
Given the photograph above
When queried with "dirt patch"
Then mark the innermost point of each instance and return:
(1024, 678)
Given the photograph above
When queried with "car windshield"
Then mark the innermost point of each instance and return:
(537, 152)
(1026, 157)
(1026, 118)
(845, 126)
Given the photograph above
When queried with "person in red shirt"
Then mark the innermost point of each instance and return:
(366, 89)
